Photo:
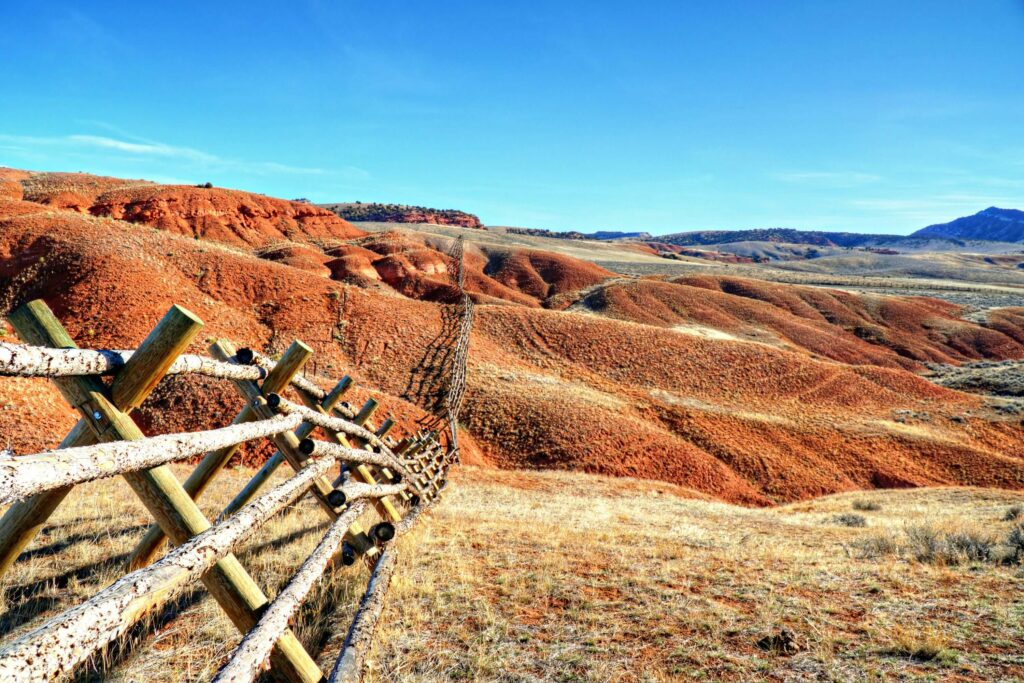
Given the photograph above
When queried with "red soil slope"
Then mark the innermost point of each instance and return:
(542, 274)
(850, 328)
(746, 422)
(229, 216)
(413, 265)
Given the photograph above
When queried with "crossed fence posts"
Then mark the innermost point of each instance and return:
(396, 480)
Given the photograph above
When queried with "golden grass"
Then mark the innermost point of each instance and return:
(521, 576)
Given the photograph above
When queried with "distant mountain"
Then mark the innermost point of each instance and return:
(781, 235)
(616, 235)
(401, 213)
(607, 235)
(1000, 225)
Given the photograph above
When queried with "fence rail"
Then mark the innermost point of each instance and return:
(392, 481)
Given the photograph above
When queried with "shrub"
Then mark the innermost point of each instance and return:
(866, 505)
(971, 547)
(1015, 541)
(207, 186)
(850, 520)
(877, 546)
(929, 545)
(925, 544)
(1013, 513)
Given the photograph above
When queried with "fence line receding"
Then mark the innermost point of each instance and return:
(371, 486)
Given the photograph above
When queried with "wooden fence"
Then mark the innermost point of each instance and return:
(389, 481)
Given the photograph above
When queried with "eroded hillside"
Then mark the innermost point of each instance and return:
(750, 391)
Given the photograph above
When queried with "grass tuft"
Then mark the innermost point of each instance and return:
(922, 646)
(850, 520)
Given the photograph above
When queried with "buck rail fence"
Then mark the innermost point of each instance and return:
(382, 488)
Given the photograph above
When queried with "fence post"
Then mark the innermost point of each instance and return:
(270, 466)
(211, 464)
(162, 494)
(35, 324)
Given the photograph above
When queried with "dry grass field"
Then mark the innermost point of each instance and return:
(525, 576)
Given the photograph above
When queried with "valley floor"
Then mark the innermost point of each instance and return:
(526, 576)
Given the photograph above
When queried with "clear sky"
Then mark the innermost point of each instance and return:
(662, 116)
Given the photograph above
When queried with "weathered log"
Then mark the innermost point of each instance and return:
(214, 461)
(276, 460)
(383, 506)
(289, 448)
(357, 490)
(31, 474)
(21, 360)
(350, 663)
(46, 653)
(355, 455)
(287, 442)
(35, 323)
(300, 383)
(251, 654)
(160, 491)
(333, 424)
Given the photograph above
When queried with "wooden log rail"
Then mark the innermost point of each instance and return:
(106, 443)
(42, 654)
(30, 474)
(319, 419)
(356, 455)
(349, 666)
(252, 654)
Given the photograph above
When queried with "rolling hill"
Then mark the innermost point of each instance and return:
(1002, 225)
(748, 391)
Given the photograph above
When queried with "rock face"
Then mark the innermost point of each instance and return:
(229, 216)
(401, 213)
(1000, 225)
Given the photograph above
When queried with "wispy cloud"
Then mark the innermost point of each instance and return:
(192, 159)
(827, 178)
(149, 149)
(933, 208)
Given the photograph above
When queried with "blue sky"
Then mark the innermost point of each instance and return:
(660, 116)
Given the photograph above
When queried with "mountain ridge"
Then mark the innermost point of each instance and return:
(993, 223)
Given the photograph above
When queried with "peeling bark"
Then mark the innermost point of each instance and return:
(38, 361)
(356, 490)
(26, 475)
(356, 455)
(54, 649)
(335, 424)
(349, 667)
(253, 652)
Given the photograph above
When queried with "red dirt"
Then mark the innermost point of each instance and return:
(412, 266)
(542, 274)
(745, 422)
(850, 328)
(228, 216)
(301, 257)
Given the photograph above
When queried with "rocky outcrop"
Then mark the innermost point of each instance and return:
(401, 213)
(228, 216)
